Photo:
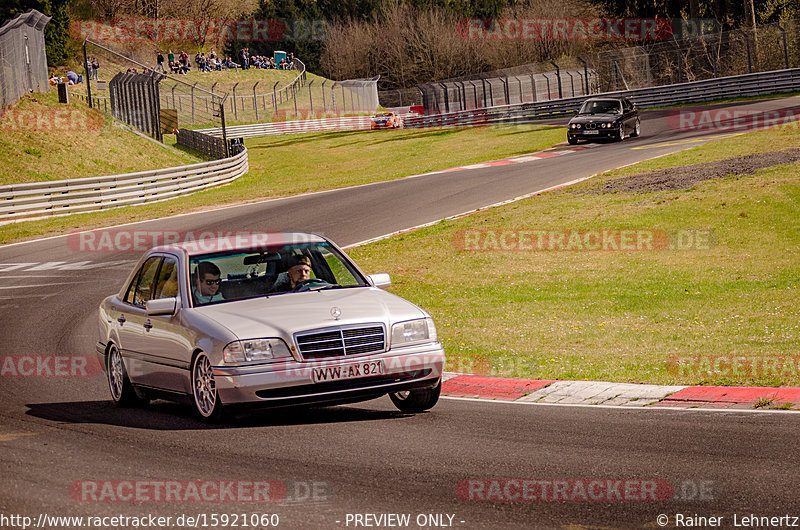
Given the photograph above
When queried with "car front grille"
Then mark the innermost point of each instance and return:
(342, 341)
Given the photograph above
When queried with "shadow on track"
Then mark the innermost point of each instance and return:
(167, 416)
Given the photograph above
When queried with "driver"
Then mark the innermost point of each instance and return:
(207, 280)
(298, 271)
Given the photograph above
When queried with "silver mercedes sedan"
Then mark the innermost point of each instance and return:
(272, 319)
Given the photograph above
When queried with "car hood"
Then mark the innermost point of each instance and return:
(285, 314)
(586, 118)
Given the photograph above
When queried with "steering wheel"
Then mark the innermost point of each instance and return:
(306, 285)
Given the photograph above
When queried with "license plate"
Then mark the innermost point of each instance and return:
(347, 371)
(591, 131)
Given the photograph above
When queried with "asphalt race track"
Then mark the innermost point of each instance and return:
(56, 433)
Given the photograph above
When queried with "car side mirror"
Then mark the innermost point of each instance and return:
(162, 306)
(381, 281)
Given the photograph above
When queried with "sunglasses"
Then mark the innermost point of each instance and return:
(214, 282)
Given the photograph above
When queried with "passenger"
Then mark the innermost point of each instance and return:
(299, 270)
(207, 280)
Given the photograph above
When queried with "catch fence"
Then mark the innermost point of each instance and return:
(23, 60)
(718, 54)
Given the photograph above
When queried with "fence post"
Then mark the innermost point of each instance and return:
(585, 73)
(310, 98)
(474, 94)
(86, 69)
(235, 110)
(785, 48)
(294, 97)
(483, 82)
(224, 128)
(255, 103)
(446, 98)
(504, 80)
(194, 85)
(571, 82)
(344, 100)
(324, 106)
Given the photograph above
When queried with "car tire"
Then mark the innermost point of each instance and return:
(417, 400)
(571, 140)
(621, 132)
(637, 129)
(122, 391)
(205, 399)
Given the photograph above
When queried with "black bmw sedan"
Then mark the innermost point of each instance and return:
(608, 117)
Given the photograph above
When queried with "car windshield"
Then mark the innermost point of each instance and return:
(280, 269)
(383, 115)
(601, 106)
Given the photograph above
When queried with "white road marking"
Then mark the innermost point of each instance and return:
(61, 266)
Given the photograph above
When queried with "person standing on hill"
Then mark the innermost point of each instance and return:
(160, 62)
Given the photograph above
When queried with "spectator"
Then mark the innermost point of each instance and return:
(160, 62)
(229, 64)
(95, 68)
(170, 57)
(184, 60)
(74, 78)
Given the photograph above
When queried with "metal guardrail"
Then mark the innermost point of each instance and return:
(61, 197)
(757, 84)
(255, 130)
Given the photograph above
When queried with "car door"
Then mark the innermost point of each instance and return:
(165, 346)
(629, 116)
(130, 317)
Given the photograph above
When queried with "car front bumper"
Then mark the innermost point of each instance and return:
(286, 383)
(581, 134)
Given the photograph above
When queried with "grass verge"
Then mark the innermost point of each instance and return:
(725, 315)
(319, 161)
(43, 140)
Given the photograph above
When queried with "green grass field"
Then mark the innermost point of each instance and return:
(43, 140)
(622, 315)
(292, 164)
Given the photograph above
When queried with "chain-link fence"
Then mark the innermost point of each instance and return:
(23, 60)
(306, 98)
(245, 101)
(719, 54)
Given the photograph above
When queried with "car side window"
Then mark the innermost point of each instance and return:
(167, 283)
(144, 287)
(132, 288)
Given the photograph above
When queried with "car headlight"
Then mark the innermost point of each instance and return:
(413, 331)
(255, 350)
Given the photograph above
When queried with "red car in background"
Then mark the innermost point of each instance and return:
(385, 120)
